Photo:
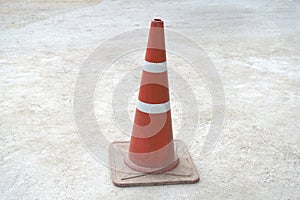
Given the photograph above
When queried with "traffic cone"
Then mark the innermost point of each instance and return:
(150, 157)
(151, 148)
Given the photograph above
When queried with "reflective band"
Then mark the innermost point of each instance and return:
(153, 108)
(155, 67)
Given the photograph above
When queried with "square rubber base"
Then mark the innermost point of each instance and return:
(123, 176)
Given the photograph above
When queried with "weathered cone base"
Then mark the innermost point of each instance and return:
(151, 170)
(123, 176)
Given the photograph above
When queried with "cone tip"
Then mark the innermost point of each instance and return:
(156, 22)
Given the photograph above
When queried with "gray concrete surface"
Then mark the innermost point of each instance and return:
(255, 46)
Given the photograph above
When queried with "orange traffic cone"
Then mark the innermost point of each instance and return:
(150, 157)
(151, 147)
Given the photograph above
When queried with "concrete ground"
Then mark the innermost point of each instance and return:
(254, 45)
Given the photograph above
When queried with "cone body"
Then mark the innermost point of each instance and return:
(151, 147)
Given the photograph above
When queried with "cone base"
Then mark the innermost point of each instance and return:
(138, 168)
(124, 176)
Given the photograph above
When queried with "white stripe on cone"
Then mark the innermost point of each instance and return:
(155, 67)
(153, 108)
